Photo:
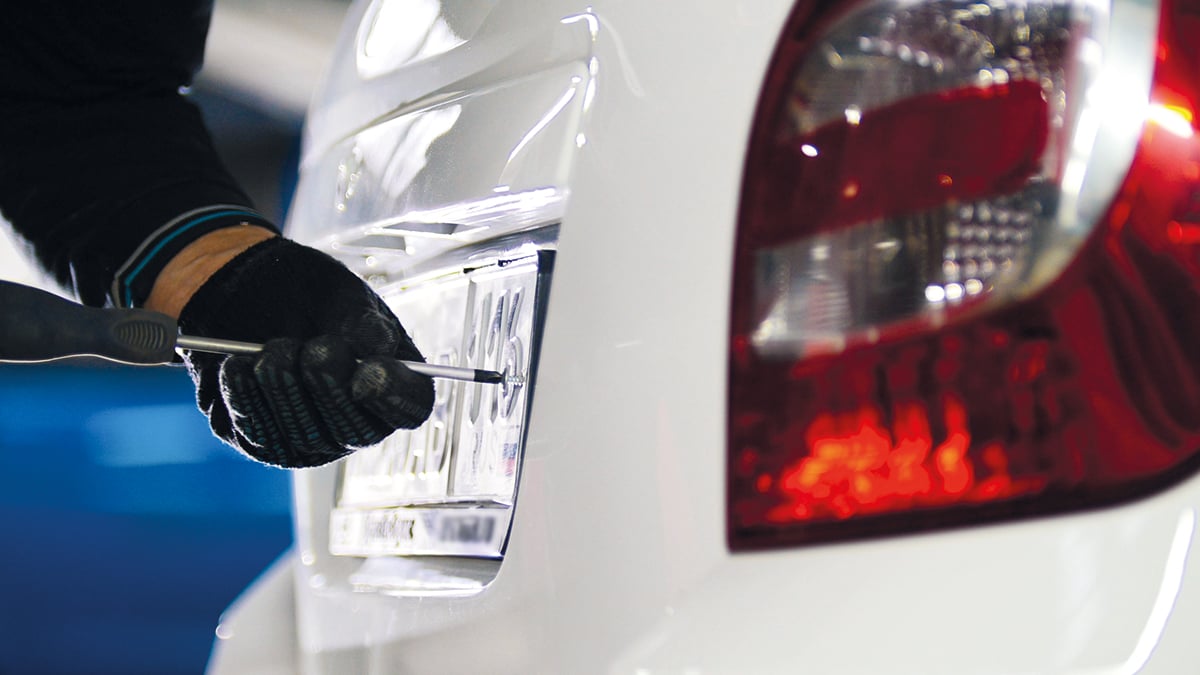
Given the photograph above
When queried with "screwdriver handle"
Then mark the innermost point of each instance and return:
(40, 326)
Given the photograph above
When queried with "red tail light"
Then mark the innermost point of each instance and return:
(967, 282)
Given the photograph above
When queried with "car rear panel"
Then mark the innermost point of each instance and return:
(617, 560)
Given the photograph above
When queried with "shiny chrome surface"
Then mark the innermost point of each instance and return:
(1114, 109)
(385, 183)
(216, 345)
(447, 487)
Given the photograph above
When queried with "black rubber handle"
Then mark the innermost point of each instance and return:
(40, 326)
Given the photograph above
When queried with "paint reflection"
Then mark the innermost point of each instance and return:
(399, 32)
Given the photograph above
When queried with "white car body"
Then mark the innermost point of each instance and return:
(635, 118)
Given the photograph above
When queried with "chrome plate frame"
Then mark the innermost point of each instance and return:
(448, 487)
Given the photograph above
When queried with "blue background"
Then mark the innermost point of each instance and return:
(126, 528)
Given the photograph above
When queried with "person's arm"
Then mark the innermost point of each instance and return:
(109, 173)
(98, 147)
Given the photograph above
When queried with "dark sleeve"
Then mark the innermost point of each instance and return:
(99, 150)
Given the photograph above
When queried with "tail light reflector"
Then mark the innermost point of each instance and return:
(967, 283)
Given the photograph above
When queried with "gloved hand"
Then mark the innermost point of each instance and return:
(304, 400)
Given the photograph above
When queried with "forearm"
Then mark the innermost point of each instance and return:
(98, 149)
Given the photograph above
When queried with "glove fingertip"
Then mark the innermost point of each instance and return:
(236, 368)
(327, 354)
(394, 393)
(279, 351)
(374, 332)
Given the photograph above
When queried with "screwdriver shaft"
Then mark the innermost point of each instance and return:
(219, 346)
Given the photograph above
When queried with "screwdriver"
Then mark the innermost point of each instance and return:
(39, 326)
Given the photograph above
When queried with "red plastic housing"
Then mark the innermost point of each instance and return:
(1084, 395)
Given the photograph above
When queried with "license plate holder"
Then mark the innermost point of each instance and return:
(448, 487)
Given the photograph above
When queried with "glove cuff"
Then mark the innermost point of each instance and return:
(134, 280)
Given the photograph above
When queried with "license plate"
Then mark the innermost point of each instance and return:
(447, 488)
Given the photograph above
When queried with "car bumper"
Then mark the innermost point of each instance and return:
(617, 560)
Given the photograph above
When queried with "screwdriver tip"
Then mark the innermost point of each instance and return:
(489, 377)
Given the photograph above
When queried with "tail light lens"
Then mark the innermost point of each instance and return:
(967, 283)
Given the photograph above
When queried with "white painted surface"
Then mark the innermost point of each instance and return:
(270, 54)
(617, 561)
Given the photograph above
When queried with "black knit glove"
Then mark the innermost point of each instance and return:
(304, 400)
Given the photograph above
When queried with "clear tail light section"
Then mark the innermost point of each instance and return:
(967, 282)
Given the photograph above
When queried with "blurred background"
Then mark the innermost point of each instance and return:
(127, 528)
